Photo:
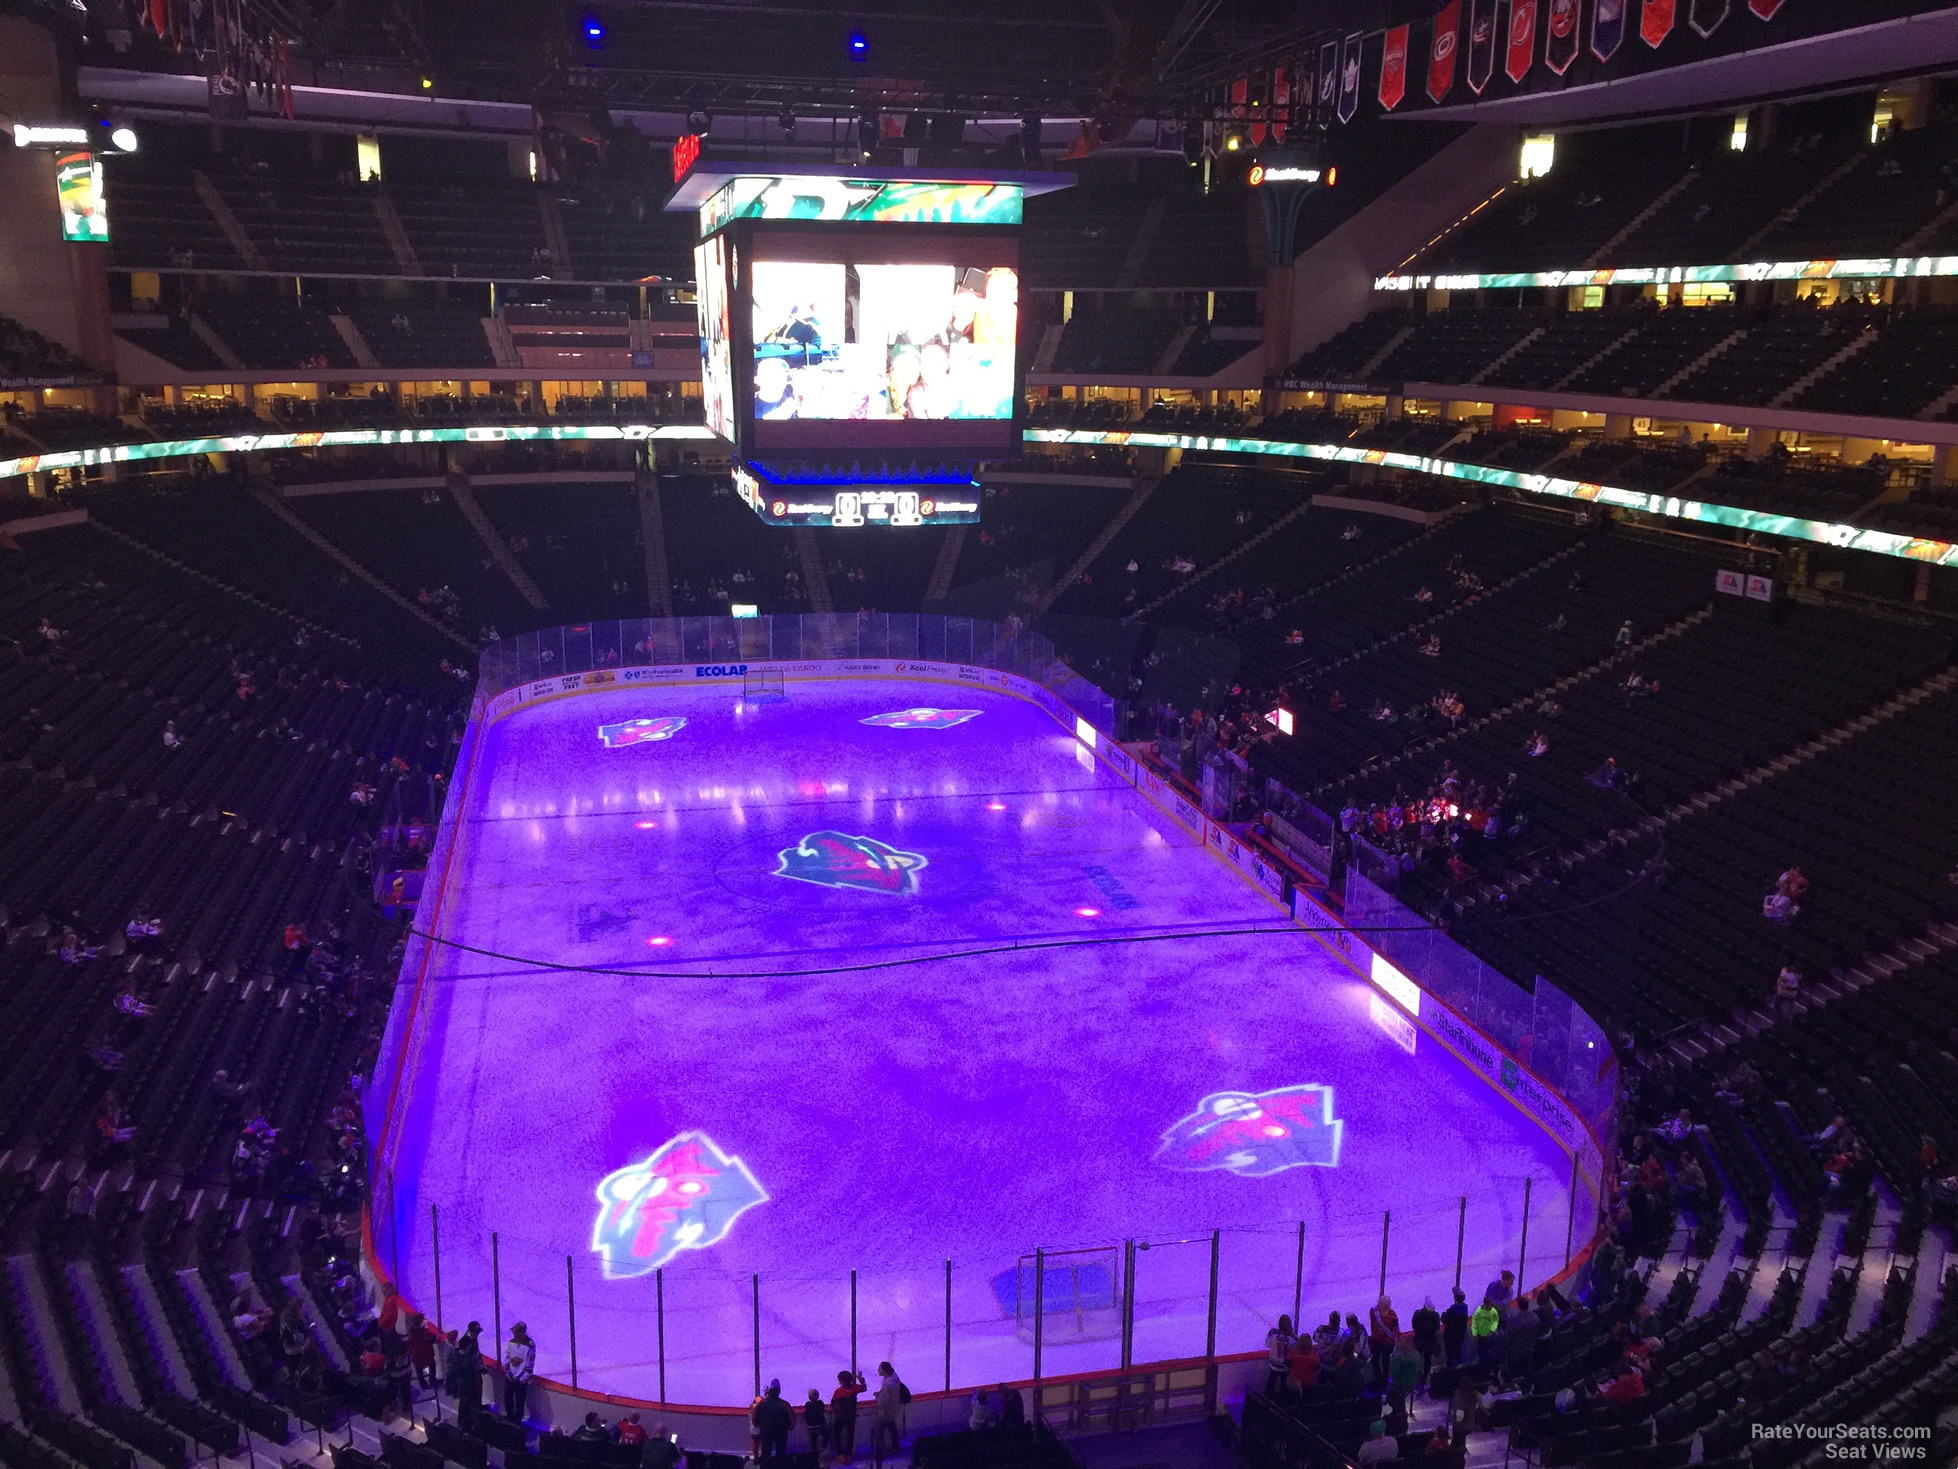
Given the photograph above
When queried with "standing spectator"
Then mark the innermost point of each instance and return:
(519, 1364)
(1454, 1327)
(401, 1377)
(1383, 1332)
(466, 1373)
(982, 1415)
(1278, 1354)
(773, 1420)
(632, 1433)
(1404, 1372)
(815, 1421)
(843, 1413)
(1787, 993)
(892, 1395)
(421, 1349)
(1482, 1335)
(1303, 1370)
(1519, 1344)
(1427, 1334)
(1500, 1289)
(1012, 1408)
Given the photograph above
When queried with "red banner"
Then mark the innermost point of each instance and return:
(1765, 9)
(1522, 40)
(1393, 69)
(1655, 21)
(1441, 51)
(1281, 103)
(1560, 46)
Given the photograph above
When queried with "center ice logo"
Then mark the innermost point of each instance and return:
(922, 718)
(1256, 1134)
(833, 859)
(685, 1197)
(640, 731)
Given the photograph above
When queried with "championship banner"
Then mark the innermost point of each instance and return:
(1764, 9)
(1393, 69)
(1328, 82)
(1349, 77)
(1281, 103)
(1705, 16)
(1655, 21)
(1482, 44)
(1560, 46)
(1522, 40)
(1441, 50)
(1607, 28)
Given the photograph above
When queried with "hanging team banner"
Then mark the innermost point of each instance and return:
(1482, 44)
(1607, 28)
(1560, 45)
(1328, 82)
(1349, 77)
(1764, 9)
(1655, 21)
(1705, 16)
(1441, 50)
(1522, 39)
(1393, 69)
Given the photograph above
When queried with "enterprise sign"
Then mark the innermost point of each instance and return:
(1882, 267)
(29, 135)
(1262, 175)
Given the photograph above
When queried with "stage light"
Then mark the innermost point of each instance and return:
(645, 825)
(659, 941)
(1232, 142)
(996, 805)
(859, 46)
(428, 82)
(594, 32)
(1087, 912)
(123, 138)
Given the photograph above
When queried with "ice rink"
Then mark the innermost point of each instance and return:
(714, 1141)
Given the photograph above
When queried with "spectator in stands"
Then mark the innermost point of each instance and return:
(1278, 1354)
(1627, 1387)
(1690, 1183)
(1787, 992)
(1501, 1290)
(1426, 1324)
(519, 1365)
(171, 739)
(1519, 1334)
(466, 1371)
(421, 1348)
(593, 1429)
(142, 930)
(250, 1321)
(1792, 883)
(632, 1433)
(1464, 1412)
(773, 1419)
(1302, 1371)
(843, 1413)
(1454, 1327)
(74, 949)
(1780, 908)
(1537, 745)
(892, 1395)
(1404, 1373)
(1624, 637)
(1676, 1129)
(1378, 1447)
(1482, 1334)
(1326, 1335)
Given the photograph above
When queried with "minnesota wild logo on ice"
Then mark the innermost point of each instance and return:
(640, 731)
(686, 1196)
(1256, 1134)
(922, 718)
(834, 859)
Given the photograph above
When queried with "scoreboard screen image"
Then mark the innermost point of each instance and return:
(883, 342)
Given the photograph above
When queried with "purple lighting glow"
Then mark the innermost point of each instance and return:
(879, 1027)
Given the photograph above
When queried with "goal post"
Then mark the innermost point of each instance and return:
(763, 683)
(1076, 1293)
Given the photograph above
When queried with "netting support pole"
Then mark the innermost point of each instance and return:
(659, 1310)
(1461, 1236)
(948, 1326)
(435, 1244)
(1128, 1304)
(1523, 1246)
(754, 1288)
(1386, 1228)
(1039, 1315)
(1570, 1221)
(1216, 1257)
(394, 1230)
(1298, 1281)
(853, 1323)
(496, 1295)
(571, 1315)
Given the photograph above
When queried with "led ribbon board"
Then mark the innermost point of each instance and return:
(1884, 267)
(880, 201)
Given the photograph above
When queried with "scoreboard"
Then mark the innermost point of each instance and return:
(859, 334)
